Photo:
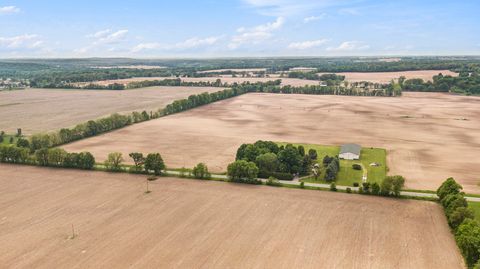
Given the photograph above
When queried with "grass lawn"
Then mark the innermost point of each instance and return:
(347, 175)
(475, 207)
(6, 140)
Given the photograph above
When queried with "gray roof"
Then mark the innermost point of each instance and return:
(350, 148)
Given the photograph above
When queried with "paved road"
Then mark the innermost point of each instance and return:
(327, 186)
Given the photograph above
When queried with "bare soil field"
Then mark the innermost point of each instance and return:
(234, 70)
(36, 110)
(225, 78)
(386, 77)
(203, 224)
(428, 136)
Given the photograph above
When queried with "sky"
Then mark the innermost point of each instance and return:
(239, 28)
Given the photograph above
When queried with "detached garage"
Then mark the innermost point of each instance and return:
(350, 152)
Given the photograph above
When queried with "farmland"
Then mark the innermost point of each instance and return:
(386, 77)
(423, 133)
(205, 224)
(37, 110)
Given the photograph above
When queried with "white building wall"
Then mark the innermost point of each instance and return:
(349, 156)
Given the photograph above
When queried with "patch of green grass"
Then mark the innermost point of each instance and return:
(6, 140)
(475, 207)
(347, 175)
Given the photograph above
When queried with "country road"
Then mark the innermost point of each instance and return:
(327, 186)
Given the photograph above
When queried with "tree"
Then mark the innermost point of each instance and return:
(56, 156)
(375, 188)
(23, 143)
(200, 171)
(267, 162)
(392, 185)
(449, 186)
(86, 160)
(42, 156)
(138, 159)
(468, 240)
(313, 154)
(114, 161)
(290, 160)
(459, 215)
(154, 162)
(301, 150)
(242, 171)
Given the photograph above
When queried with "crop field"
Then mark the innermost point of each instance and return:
(37, 110)
(386, 77)
(204, 224)
(428, 136)
(224, 78)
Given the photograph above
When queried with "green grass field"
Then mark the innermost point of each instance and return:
(6, 140)
(347, 175)
(475, 207)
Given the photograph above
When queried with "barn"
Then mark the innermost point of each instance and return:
(350, 152)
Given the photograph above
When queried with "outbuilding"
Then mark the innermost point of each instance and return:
(350, 152)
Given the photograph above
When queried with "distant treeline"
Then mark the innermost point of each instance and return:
(466, 83)
(51, 72)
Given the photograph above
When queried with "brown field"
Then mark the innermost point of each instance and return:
(225, 78)
(429, 137)
(36, 110)
(386, 77)
(234, 70)
(204, 224)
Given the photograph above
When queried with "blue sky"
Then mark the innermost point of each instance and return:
(214, 28)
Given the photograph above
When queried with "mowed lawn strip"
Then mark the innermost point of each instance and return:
(347, 175)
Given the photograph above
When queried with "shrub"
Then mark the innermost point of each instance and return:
(356, 166)
(375, 188)
(366, 187)
(333, 186)
(355, 184)
(273, 182)
(200, 171)
(349, 190)
(302, 185)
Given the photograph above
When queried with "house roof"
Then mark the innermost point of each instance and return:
(350, 148)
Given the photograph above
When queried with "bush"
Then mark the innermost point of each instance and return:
(349, 190)
(356, 166)
(273, 182)
(200, 171)
(355, 184)
(375, 188)
(333, 186)
(302, 185)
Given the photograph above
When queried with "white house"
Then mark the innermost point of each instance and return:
(350, 152)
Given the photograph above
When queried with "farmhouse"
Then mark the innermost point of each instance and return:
(350, 152)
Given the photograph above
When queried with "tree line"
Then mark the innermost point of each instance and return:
(461, 219)
(53, 157)
(466, 83)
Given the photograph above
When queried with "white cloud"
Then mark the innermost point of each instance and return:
(29, 41)
(255, 34)
(108, 36)
(190, 43)
(314, 18)
(350, 46)
(307, 44)
(9, 10)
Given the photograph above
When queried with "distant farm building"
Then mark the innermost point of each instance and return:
(303, 69)
(350, 152)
